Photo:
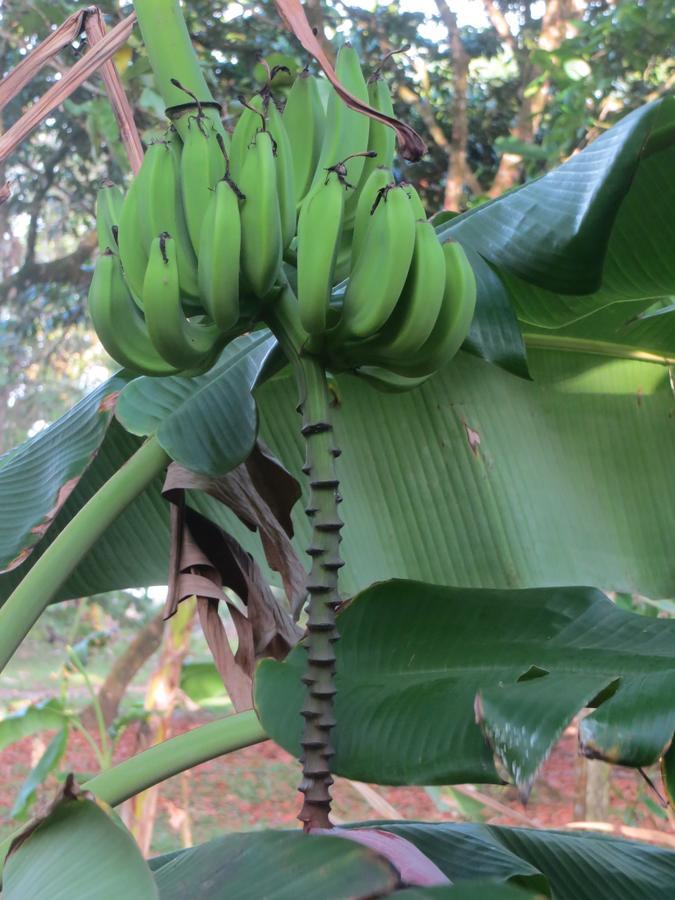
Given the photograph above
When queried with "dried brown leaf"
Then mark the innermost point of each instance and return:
(38, 58)
(95, 29)
(205, 560)
(261, 493)
(411, 145)
(71, 80)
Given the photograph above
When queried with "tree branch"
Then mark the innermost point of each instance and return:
(500, 25)
(459, 174)
(64, 270)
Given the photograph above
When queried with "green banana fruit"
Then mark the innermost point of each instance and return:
(131, 234)
(381, 269)
(119, 323)
(319, 233)
(305, 121)
(284, 163)
(378, 180)
(418, 307)
(165, 212)
(346, 130)
(381, 140)
(453, 322)
(183, 343)
(202, 165)
(109, 201)
(261, 237)
(389, 382)
(248, 123)
(219, 257)
(418, 207)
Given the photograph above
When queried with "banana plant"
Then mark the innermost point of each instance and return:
(493, 484)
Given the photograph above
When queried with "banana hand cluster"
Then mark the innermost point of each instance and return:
(195, 252)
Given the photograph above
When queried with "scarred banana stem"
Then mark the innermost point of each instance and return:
(318, 709)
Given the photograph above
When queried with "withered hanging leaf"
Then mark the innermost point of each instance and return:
(205, 560)
(411, 145)
(95, 29)
(191, 573)
(83, 69)
(261, 493)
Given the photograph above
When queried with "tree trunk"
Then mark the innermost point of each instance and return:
(557, 25)
(459, 175)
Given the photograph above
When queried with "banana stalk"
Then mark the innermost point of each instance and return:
(174, 61)
(324, 551)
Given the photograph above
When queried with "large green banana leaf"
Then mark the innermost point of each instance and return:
(639, 268)
(554, 231)
(277, 865)
(481, 861)
(569, 247)
(575, 866)
(80, 849)
(478, 478)
(423, 663)
(481, 479)
(221, 401)
(45, 481)
(37, 477)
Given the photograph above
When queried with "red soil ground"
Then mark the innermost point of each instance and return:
(255, 788)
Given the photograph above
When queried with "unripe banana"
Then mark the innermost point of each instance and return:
(319, 232)
(109, 202)
(183, 343)
(418, 307)
(248, 124)
(131, 235)
(305, 121)
(418, 207)
(378, 180)
(202, 165)
(219, 257)
(284, 163)
(381, 140)
(346, 130)
(165, 212)
(389, 382)
(119, 323)
(261, 239)
(344, 255)
(453, 322)
(380, 272)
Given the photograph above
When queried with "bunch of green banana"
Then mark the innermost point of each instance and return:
(431, 319)
(149, 332)
(119, 323)
(409, 300)
(194, 252)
